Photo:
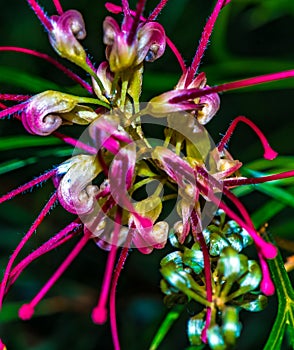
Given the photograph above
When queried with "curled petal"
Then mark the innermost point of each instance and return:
(107, 132)
(151, 42)
(75, 193)
(211, 105)
(42, 114)
(68, 28)
(106, 78)
(120, 54)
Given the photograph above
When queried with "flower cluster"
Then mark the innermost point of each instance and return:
(115, 159)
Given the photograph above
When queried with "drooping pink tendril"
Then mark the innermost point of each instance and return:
(27, 236)
(59, 239)
(269, 153)
(99, 314)
(112, 298)
(51, 60)
(28, 185)
(27, 310)
(207, 271)
(44, 19)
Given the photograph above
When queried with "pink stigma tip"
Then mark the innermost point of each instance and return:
(269, 251)
(270, 154)
(99, 315)
(26, 312)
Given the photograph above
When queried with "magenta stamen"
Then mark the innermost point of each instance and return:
(258, 180)
(118, 9)
(76, 143)
(183, 95)
(44, 19)
(99, 314)
(139, 11)
(266, 285)
(204, 41)
(125, 7)
(12, 97)
(27, 236)
(58, 7)
(60, 238)
(27, 310)
(51, 60)
(28, 185)
(269, 153)
(157, 10)
(112, 301)
(2, 106)
(12, 110)
(207, 272)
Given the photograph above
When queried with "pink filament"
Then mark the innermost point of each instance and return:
(44, 19)
(60, 238)
(204, 41)
(12, 97)
(157, 10)
(28, 185)
(51, 60)
(27, 310)
(58, 7)
(11, 110)
(76, 143)
(116, 274)
(258, 180)
(99, 314)
(139, 11)
(28, 235)
(207, 273)
(183, 95)
(125, 7)
(269, 153)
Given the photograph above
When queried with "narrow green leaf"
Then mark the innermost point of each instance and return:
(14, 142)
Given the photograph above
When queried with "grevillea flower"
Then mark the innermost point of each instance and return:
(116, 159)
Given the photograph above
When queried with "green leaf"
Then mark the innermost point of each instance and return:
(285, 293)
(167, 323)
(14, 142)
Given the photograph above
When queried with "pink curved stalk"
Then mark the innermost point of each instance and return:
(138, 14)
(58, 7)
(183, 95)
(11, 110)
(24, 240)
(60, 238)
(207, 272)
(51, 60)
(204, 41)
(27, 310)
(269, 153)
(157, 10)
(76, 143)
(118, 9)
(13, 97)
(28, 185)
(44, 19)
(112, 300)
(258, 180)
(99, 314)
